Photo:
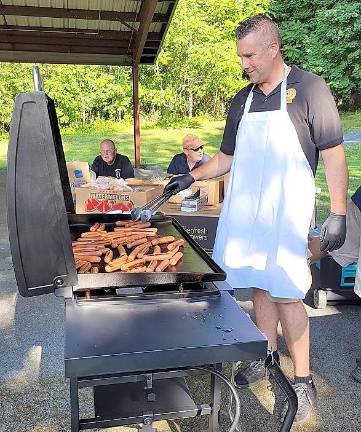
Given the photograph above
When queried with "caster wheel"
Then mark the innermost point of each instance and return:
(319, 299)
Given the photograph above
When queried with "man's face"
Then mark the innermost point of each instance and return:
(257, 57)
(107, 152)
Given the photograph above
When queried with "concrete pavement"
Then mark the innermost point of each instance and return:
(34, 396)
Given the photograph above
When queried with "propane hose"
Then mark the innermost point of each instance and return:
(237, 415)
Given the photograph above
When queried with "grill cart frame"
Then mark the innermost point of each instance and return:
(134, 328)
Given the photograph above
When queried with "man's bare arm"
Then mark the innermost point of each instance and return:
(337, 177)
(219, 164)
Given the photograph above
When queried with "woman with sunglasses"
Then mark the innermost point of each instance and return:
(192, 157)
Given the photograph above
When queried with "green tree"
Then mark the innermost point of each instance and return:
(323, 36)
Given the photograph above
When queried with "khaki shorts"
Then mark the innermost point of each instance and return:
(350, 251)
(281, 300)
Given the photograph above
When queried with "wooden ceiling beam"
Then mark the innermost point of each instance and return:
(75, 33)
(146, 14)
(64, 58)
(53, 39)
(53, 48)
(49, 12)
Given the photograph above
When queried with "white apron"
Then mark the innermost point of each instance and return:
(262, 232)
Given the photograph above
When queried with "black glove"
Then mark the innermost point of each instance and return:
(179, 183)
(333, 233)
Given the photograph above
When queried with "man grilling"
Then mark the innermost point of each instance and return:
(275, 129)
(110, 163)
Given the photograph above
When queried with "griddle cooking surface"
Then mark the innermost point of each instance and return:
(195, 266)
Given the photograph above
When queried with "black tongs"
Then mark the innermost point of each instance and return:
(146, 212)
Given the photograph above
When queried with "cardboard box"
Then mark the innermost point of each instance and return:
(78, 173)
(225, 184)
(213, 188)
(92, 200)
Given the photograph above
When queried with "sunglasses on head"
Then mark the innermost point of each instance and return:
(197, 149)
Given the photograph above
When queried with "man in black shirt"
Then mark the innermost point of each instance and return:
(275, 128)
(192, 157)
(110, 163)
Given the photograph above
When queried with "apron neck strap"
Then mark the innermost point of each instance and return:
(247, 105)
(284, 89)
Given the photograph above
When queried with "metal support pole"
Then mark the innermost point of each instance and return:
(38, 82)
(74, 405)
(216, 393)
(135, 72)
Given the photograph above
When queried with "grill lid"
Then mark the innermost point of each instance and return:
(38, 198)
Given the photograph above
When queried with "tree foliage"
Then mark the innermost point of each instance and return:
(324, 36)
(198, 72)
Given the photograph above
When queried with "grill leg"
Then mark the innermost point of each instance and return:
(74, 405)
(216, 401)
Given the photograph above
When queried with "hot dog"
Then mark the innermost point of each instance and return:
(79, 263)
(161, 257)
(88, 258)
(116, 264)
(121, 250)
(92, 235)
(108, 256)
(143, 252)
(94, 227)
(157, 250)
(137, 242)
(133, 264)
(140, 225)
(137, 250)
(121, 223)
(87, 253)
(77, 249)
(176, 243)
(138, 270)
(152, 266)
(174, 260)
(162, 266)
(162, 240)
(85, 267)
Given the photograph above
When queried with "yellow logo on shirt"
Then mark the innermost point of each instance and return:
(290, 95)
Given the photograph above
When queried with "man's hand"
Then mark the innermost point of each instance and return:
(333, 232)
(179, 183)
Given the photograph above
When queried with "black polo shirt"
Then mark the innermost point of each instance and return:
(310, 106)
(121, 164)
(179, 164)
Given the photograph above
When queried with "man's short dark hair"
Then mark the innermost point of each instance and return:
(259, 23)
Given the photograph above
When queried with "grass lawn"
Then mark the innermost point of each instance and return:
(159, 145)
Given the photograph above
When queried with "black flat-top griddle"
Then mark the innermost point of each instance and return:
(195, 265)
(41, 215)
(114, 334)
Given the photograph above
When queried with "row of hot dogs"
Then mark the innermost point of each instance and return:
(131, 247)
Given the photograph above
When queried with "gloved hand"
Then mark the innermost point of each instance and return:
(179, 183)
(333, 232)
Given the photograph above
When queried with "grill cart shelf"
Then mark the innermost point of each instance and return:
(134, 337)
